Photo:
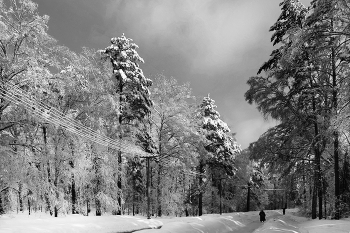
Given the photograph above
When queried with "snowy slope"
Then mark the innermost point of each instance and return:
(40, 222)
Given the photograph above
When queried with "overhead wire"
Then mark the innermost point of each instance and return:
(70, 128)
(74, 128)
(56, 117)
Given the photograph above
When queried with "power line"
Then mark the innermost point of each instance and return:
(59, 119)
(56, 117)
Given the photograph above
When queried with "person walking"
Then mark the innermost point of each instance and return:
(262, 216)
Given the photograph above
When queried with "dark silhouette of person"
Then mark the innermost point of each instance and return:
(262, 216)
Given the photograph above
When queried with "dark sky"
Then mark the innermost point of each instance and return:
(216, 45)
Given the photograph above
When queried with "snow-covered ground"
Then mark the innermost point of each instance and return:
(40, 222)
(226, 223)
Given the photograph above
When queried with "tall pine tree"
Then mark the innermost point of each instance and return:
(221, 147)
(131, 86)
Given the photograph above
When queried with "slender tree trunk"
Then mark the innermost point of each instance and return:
(274, 195)
(314, 201)
(56, 186)
(220, 193)
(87, 208)
(28, 206)
(97, 201)
(97, 188)
(318, 179)
(184, 193)
(335, 138)
(56, 211)
(248, 196)
(200, 195)
(98, 207)
(47, 198)
(1, 205)
(74, 196)
(159, 191)
(120, 120)
(336, 175)
(304, 184)
(20, 195)
(73, 189)
(212, 194)
(152, 201)
(317, 163)
(133, 194)
(119, 183)
(148, 187)
(324, 199)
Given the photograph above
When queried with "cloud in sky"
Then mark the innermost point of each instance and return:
(252, 128)
(209, 34)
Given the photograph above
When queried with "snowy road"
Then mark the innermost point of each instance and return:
(254, 225)
(227, 223)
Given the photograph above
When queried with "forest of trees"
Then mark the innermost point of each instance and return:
(72, 124)
(306, 89)
(77, 129)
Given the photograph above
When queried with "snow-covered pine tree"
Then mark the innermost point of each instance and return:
(131, 86)
(220, 144)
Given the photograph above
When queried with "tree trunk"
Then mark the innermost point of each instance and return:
(56, 211)
(304, 184)
(159, 191)
(148, 188)
(274, 195)
(317, 167)
(336, 175)
(47, 198)
(73, 189)
(56, 188)
(335, 138)
(98, 187)
(74, 196)
(200, 183)
(20, 195)
(318, 181)
(248, 197)
(314, 201)
(212, 194)
(87, 207)
(1, 205)
(324, 199)
(98, 207)
(133, 194)
(119, 183)
(97, 201)
(120, 120)
(28, 206)
(220, 193)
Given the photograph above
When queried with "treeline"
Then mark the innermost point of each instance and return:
(306, 89)
(45, 167)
